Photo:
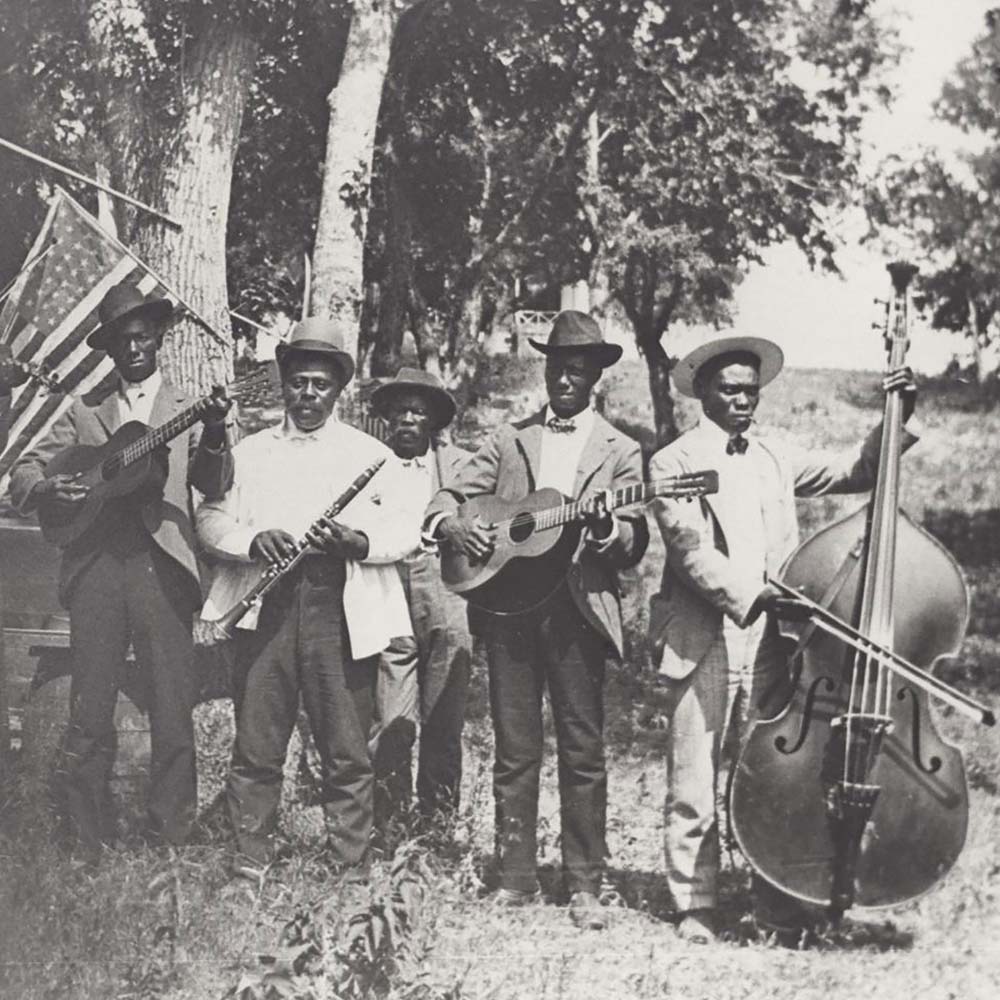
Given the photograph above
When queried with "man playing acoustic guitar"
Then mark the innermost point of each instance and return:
(133, 576)
(565, 642)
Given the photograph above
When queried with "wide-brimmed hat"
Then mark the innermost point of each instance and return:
(576, 331)
(415, 380)
(767, 353)
(318, 336)
(121, 302)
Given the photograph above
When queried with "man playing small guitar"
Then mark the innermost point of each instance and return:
(132, 576)
(565, 642)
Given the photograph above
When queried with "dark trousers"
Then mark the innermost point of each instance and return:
(300, 646)
(132, 591)
(424, 678)
(556, 648)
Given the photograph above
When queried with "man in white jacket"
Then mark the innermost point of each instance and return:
(707, 625)
(319, 632)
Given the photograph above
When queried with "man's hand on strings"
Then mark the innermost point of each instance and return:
(902, 381)
(463, 534)
(213, 420)
(62, 488)
(597, 517)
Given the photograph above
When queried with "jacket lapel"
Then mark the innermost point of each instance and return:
(168, 402)
(530, 436)
(107, 413)
(702, 455)
(595, 453)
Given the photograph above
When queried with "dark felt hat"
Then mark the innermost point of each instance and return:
(576, 331)
(318, 336)
(767, 353)
(415, 380)
(122, 302)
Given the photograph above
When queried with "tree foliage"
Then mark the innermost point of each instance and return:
(951, 211)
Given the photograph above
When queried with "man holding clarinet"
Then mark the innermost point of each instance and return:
(318, 632)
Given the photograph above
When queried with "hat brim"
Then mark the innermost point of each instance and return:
(441, 400)
(770, 355)
(159, 310)
(342, 359)
(605, 354)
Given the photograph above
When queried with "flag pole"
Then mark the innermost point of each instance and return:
(106, 188)
(170, 291)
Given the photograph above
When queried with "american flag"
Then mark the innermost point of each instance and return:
(52, 310)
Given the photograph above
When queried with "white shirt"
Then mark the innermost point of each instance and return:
(135, 399)
(739, 502)
(285, 479)
(561, 452)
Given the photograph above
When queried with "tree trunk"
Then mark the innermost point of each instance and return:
(193, 181)
(394, 301)
(658, 367)
(338, 255)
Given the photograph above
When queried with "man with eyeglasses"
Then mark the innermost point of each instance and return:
(565, 643)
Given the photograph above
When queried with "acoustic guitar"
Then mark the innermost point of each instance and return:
(534, 540)
(126, 464)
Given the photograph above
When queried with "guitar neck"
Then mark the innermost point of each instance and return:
(627, 496)
(159, 436)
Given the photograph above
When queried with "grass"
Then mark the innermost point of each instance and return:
(166, 924)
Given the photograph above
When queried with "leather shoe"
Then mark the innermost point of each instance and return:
(514, 897)
(697, 927)
(586, 912)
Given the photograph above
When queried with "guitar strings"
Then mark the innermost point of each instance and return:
(554, 516)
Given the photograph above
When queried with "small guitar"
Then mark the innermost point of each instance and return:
(535, 538)
(123, 465)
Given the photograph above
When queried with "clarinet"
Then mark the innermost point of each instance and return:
(223, 627)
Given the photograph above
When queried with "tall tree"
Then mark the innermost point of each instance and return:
(354, 102)
(713, 149)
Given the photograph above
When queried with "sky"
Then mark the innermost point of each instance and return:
(824, 321)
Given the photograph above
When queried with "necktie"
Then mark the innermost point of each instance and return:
(560, 425)
(736, 445)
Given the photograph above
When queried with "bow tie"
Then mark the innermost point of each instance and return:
(561, 425)
(736, 445)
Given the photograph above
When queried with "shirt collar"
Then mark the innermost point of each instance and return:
(417, 462)
(287, 431)
(713, 435)
(133, 390)
(584, 420)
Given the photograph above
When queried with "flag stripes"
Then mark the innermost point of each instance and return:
(49, 317)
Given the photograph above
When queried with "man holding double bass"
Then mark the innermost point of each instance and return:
(132, 577)
(565, 642)
(716, 651)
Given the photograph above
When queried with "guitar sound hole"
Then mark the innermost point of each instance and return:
(521, 527)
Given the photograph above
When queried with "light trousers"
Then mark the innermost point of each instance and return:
(710, 711)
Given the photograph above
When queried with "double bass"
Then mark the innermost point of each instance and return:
(848, 795)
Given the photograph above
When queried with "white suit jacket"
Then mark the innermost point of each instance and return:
(700, 585)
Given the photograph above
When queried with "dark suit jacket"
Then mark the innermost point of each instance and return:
(91, 420)
(610, 460)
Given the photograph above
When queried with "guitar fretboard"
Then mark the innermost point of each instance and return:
(638, 493)
(156, 438)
